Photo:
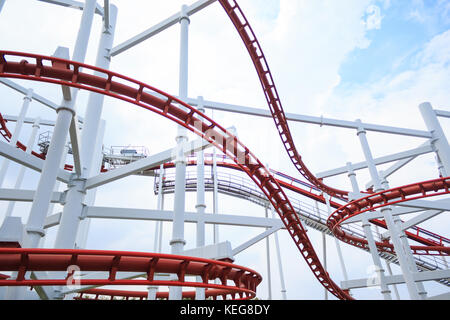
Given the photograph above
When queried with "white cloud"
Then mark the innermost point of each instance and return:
(374, 17)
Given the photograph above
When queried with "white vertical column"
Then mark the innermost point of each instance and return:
(269, 275)
(404, 240)
(177, 243)
(152, 290)
(19, 179)
(336, 241)
(97, 162)
(439, 140)
(215, 196)
(387, 214)
(18, 128)
(367, 228)
(71, 216)
(324, 249)
(41, 200)
(280, 267)
(388, 266)
(201, 205)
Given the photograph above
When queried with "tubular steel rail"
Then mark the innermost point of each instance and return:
(244, 29)
(436, 244)
(69, 73)
(385, 198)
(23, 260)
(141, 295)
(230, 184)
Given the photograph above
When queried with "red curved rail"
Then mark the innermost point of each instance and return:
(385, 198)
(23, 260)
(244, 29)
(430, 248)
(142, 295)
(48, 69)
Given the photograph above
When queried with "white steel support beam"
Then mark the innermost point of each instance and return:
(371, 242)
(311, 119)
(90, 194)
(255, 240)
(269, 274)
(409, 207)
(396, 166)
(65, 113)
(439, 140)
(378, 161)
(163, 25)
(398, 279)
(419, 219)
(23, 195)
(442, 113)
(21, 173)
(28, 160)
(161, 215)
(177, 241)
(396, 234)
(201, 207)
(74, 4)
(17, 130)
(84, 154)
(34, 95)
(28, 120)
(144, 164)
(280, 266)
(106, 13)
(74, 132)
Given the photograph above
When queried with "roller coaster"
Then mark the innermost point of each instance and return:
(69, 271)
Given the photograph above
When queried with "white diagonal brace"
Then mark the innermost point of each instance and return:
(396, 166)
(146, 163)
(34, 96)
(378, 161)
(255, 240)
(418, 219)
(75, 141)
(443, 204)
(411, 206)
(27, 160)
(163, 25)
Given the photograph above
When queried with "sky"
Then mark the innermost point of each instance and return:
(374, 60)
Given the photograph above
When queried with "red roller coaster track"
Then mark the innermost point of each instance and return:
(47, 69)
(23, 260)
(244, 29)
(386, 198)
(431, 247)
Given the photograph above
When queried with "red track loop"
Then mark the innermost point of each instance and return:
(22, 260)
(41, 68)
(386, 198)
(244, 29)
